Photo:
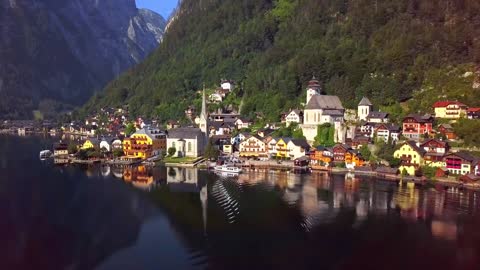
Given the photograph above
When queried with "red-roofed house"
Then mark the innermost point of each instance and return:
(450, 109)
(414, 126)
(473, 113)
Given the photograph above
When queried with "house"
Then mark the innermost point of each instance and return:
(240, 137)
(447, 131)
(387, 132)
(90, 144)
(320, 109)
(60, 149)
(377, 117)
(242, 123)
(473, 113)
(297, 148)
(145, 143)
(364, 108)
(435, 150)
(188, 142)
(415, 126)
(271, 144)
(227, 85)
(265, 132)
(106, 143)
(301, 161)
(221, 128)
(190, 112)
(449, 109)
(411, 157)
(282, 148)
(460, 163)
(344, 154)
(215, 98)
(359, 141)
(321, 156)
(469, 178)
(171, 124)
(253, 146)
(294, 116)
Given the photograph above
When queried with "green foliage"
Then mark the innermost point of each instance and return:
(387, 50)
(117, 153)
(385, 151)
(468, 131)
(130, 129)
(171, 151)
(365, 152)
(72, 148)
(325, 135)
(211, 153)
(394, 162)
(429, 172)
(292, 131)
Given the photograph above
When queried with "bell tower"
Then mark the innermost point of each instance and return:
(203, 123)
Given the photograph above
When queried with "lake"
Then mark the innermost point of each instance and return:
(57, 217)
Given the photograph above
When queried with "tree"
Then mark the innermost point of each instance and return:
(72, 148)
(365, 152)
(130, 129)
(171, 151)
(117, 153)
(211, 153)
(325, 135)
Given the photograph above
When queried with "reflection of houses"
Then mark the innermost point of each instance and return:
(183, 180)
(60, 149)
(188, 142)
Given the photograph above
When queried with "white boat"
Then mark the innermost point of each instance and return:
(45, 154)
(227, 169)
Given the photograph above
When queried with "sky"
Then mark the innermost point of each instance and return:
(163, 7)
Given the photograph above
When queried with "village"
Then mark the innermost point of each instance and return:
(322, 135)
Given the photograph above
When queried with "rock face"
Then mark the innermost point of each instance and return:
(58, 51)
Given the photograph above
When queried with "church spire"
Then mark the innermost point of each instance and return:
(204, 105)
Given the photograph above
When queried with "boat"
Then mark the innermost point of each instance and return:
(44, 154)
(227, 169)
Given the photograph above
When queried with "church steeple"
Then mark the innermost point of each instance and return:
(203, 115)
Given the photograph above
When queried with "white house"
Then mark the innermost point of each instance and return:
(386, 131)
(106, 143)
(253, 147)
(364, 108)
(227, 85)
(294, 116)
(242, 123)
(377, 117)
(239, 138)
(215, 98)
(188, 142)
(271, 144)
(297, 148)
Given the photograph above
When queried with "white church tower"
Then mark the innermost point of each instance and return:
(203, 122)
(364, 108)
(313, 88)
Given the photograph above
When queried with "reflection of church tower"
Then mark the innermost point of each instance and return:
(204, 200)
(313, 88)
(203, 123)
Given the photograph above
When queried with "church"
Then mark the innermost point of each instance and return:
(321, 109)
(190, 141)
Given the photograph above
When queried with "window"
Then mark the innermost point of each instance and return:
(189, 148)
(173, 145)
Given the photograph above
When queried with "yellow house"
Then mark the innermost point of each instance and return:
(282, 149)
(145, 143)
(450, 109)
(90, 144)
(411, 157)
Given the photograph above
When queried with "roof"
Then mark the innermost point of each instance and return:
(420, 118)
(389, 127)
(446, 126)
(365, 102)
(473, 109)
(314, 83)
(185, 133)
(333, 112)
(417, 149)
(323, 102)
(94, 141)
(442, 143)
(381, 115)
(442, 104)
(465, 156)
(301, 142)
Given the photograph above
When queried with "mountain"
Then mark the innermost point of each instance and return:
(387, 50)
(56, 53)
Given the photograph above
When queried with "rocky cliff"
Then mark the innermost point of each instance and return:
(56, 53)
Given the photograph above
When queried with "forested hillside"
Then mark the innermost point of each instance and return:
(383, 49)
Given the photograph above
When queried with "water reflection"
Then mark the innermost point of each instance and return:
(181, 218)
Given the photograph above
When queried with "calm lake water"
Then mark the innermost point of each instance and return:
(54, 217)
